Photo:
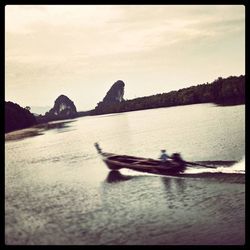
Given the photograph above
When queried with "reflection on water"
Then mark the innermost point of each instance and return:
(116, 176)
(59, 191)
(58, 125)
(63, 127)
(174, 185)
(180, 184)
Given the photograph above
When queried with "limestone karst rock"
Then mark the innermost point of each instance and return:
(115, 93)
(113, 97)
(63, 108)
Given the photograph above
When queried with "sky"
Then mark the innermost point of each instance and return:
(81, 50)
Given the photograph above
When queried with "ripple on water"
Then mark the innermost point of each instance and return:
(58, 191)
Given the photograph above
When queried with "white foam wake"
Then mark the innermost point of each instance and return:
(238, 167)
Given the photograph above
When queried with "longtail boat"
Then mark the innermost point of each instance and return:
(115, 162)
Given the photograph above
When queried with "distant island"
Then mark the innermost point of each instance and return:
(228, 91)
(222, 91)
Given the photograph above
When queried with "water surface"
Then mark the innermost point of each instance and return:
(58, 191)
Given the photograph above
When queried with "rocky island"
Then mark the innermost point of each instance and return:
(17, 117)
(113, 97)
(222, 91)
(63, 108)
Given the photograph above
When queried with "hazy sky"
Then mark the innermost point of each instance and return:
(81, 50)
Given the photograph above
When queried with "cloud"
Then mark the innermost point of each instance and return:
(60, 44)
(102, 30)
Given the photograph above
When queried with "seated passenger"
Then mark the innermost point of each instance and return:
(177, 158)
(164, 156)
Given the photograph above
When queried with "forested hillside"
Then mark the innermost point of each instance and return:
(225, 91)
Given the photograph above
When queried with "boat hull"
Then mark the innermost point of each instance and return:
(143, 165)
(115, 162)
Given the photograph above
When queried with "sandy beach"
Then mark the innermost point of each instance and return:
(35, 130)
(23, 133)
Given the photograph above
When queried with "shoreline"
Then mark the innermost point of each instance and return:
(23, 133)
(34, 130)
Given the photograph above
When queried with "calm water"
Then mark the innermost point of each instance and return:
(58, 191)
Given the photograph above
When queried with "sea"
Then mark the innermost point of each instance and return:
(58, 191)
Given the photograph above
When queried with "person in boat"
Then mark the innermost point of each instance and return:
(178, 159)
(164, 156)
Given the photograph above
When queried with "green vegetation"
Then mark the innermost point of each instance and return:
(17, 117)
(228, 91)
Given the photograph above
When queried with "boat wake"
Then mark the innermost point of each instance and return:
(234, 173)
(237, 168)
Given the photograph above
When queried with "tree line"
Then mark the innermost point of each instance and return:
(222, 91)
(17, 117)
(226, 91)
